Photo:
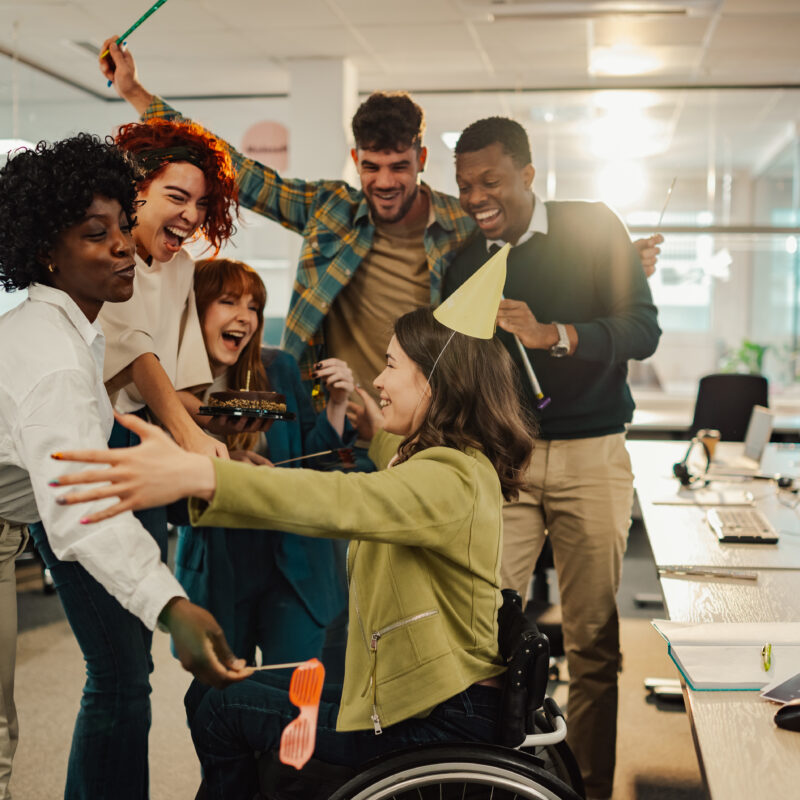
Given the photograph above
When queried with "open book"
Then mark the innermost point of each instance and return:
(727, 656)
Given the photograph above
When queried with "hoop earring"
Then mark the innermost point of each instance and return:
(51, 267)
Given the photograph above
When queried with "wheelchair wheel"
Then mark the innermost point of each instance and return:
(456, 772)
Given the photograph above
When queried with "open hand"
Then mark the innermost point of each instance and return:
(154, 473)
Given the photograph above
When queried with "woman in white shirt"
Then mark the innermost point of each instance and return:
(66, 219)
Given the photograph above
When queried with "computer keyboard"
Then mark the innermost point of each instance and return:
(744, 525)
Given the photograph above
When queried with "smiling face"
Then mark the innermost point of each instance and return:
(404, 393)
(175, 206)
(228, 325)
(93, 259)
(390, 180)
(495, 192)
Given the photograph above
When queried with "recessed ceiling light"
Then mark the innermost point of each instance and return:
(622, 59)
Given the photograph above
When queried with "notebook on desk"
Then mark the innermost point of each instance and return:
(749, 462)
(728, 656)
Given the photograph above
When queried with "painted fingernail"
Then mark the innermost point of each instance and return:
(54, 483)
(62, 501)
(57, 456)
(84, 520)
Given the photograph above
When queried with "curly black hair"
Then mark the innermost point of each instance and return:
(388, 121)
(49, 189)
(511, 135)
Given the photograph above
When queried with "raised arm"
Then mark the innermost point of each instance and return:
(261, 189)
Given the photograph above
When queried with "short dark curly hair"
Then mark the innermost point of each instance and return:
(388, 121)
(510, 134)
(48, 189)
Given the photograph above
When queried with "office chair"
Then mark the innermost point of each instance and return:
(725, 401)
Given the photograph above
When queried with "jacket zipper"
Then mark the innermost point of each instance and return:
(373, 646)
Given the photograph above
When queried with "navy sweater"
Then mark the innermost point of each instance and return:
(586, 272)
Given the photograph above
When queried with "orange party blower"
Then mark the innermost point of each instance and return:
(299, 736)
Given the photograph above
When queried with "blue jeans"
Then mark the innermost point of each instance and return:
(230, 726)
(108, 758)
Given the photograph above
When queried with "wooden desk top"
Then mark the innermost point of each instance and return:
(742, 753)
(680, 535)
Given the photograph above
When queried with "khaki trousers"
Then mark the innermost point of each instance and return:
(12, 542)
(581, 496)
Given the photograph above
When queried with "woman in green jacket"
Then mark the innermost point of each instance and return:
(422, 657)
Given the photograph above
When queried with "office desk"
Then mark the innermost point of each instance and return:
(742, 753)
(680, 535)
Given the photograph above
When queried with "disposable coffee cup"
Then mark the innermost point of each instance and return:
(709, 437)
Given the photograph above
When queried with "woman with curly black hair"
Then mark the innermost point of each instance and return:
(66, 220)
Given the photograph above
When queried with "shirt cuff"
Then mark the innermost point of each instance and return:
(153, 593)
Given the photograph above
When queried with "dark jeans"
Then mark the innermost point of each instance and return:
(229, 727)
(108, 758)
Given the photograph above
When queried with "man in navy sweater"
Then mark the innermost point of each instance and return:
(578, 300)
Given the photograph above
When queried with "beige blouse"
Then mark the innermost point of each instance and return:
(160, 318)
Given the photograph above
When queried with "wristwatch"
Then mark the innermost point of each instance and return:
(561, 347)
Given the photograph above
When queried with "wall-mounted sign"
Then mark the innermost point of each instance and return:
(267, 142)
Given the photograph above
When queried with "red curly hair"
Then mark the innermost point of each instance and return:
(216, 165)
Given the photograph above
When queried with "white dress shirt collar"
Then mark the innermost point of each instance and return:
(538, 224)
(89, 331)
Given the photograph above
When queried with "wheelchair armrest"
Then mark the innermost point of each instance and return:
(527, 654)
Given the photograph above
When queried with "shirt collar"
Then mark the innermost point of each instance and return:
(41, 293)
(538, 224)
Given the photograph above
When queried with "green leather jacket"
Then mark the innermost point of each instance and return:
(423, 567)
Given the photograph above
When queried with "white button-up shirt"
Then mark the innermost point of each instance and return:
(52, 399)
(538, 224)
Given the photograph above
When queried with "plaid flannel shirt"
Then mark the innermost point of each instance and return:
(333, 219)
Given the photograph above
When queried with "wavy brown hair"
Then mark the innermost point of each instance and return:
(474, 398)
(213, 278)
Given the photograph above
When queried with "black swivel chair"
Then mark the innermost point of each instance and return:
(725, 402)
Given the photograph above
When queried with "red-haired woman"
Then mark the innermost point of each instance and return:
(268, 589)
(154, 344)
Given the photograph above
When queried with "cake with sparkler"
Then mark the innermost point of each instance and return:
(260, 401)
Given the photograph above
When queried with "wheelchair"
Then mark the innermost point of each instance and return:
(531, 760)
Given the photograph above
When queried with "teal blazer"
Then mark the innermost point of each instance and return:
(202, 563)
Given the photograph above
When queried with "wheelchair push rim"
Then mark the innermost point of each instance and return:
(468, 776)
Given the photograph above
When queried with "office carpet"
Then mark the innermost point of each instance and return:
(655, 755)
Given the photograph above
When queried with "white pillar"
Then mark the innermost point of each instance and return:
(323, 98)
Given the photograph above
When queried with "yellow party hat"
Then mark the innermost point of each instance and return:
(472, 308)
